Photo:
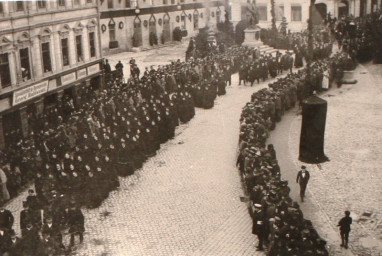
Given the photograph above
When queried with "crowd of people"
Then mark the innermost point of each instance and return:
(360, 37)
(278, 222)
(76, 152)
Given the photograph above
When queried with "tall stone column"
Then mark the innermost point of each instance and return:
(36, 58)
(12, 67)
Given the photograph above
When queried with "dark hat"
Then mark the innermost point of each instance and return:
(303, 167)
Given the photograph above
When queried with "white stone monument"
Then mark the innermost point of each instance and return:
(252, 37)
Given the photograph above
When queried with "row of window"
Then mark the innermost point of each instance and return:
(5, 74)
(296, 13)
(133, 3)
(20, 6)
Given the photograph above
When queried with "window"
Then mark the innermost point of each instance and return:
(296, 13)
(172, 1)
(76, 2)
(79, 47)
(218, 13)
(46, 61)
(165, 1)
(196, 21)
(65, 52)
(109, 4)
(25, 64)
(92, 44)
(112, 32)
(263, 13)
(182, 1)
(41, 4)
(151, 2)
(1, 8)
(5, 74)
(89, 1)
(183, 19)
(61, 2)
(127, 4)
(19, 6)
(279, 12)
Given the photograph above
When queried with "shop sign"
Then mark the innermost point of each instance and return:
(81, 73)
(30, 92)
(66, 79)
(93, 69)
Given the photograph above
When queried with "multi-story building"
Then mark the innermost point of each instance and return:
(47, 49)
(128, 23)
(296, 12)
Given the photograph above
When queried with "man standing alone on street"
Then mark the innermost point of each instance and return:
(302, 179)
(344, 225)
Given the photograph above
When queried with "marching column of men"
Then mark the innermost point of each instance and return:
(278, 222)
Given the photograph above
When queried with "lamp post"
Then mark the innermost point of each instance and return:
(179, 6)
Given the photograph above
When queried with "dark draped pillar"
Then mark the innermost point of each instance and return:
(313, 130)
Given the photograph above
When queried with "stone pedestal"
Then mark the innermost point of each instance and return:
(252, 37)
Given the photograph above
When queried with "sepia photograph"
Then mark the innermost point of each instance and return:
(190, 128)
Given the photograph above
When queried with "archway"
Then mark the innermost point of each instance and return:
(137, 37)
(343, 9)
(166, 28)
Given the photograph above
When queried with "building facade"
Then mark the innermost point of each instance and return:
(296, 12)
(128, 23)
(47, 48)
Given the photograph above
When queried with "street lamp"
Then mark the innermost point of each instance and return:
(179, 7)
(137, 10)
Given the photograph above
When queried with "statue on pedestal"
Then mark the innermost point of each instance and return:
(252, 15)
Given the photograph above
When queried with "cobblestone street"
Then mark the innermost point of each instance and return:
(350, 180)
(185, 199)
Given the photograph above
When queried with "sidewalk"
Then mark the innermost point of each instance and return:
(351, 180)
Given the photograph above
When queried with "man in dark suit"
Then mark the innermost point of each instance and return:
(6, 218)
(344, 225)
(302, 179)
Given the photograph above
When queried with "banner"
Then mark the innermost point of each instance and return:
(29, 92)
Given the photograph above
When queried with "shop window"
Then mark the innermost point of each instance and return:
(41, 4)
(263, 13)
(61, 3)
(92, 44)
(25, 64)
(65, 51)
(279, 12)
(19, 6)
(5, 73)
(46, 61)
(296, 13)
(79, 48)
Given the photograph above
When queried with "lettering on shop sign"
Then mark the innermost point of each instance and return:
(93, 69)
(30, 92)
(68, 78)
(81, 73)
